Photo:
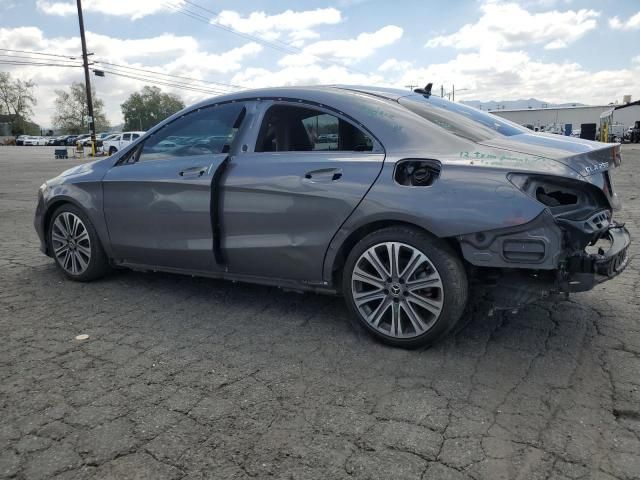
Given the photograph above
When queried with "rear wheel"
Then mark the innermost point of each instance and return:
(112, 150)
(406, 288)
(75, 245)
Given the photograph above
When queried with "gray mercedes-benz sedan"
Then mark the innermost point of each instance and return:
(397, 200)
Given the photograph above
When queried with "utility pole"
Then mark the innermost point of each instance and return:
(87, 83)
(453, 93)
(441, 91)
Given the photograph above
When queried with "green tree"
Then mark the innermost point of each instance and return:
(142, 110)
(17, 100)
(72, 113)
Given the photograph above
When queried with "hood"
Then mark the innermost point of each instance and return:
(91, 171)
(585, 157)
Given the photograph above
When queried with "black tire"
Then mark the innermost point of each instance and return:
(98, 263)
(447, 264)
(112, 150)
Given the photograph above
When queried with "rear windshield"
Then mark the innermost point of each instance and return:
(459, 119)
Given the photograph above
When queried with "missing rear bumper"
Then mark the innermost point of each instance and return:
(578, 270)
(583, 271)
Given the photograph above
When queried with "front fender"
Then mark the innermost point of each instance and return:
(82, 187)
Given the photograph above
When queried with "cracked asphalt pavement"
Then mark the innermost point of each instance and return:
(196, 378)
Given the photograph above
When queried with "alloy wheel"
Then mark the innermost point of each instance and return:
(397, 290)
(71, 243)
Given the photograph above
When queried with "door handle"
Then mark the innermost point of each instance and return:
(193, 172)
(324, 175)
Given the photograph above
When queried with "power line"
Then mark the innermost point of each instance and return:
(155, 81)
(35, 64)
(172, 83)
(25, 57)
(287, 48)
(67, 62)
(197, 16)
(71, 57)
(226, 85)
(224, 27)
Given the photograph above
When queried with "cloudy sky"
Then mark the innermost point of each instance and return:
(554, 50)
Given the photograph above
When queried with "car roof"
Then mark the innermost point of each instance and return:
(306, 92)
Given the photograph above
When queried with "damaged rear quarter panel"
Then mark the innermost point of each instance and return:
(469, 196)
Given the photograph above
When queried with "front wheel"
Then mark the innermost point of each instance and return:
(75, 245)
(406, 288)
(112, 150)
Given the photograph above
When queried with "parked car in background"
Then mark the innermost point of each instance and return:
(106, 139)
(575, 133)
(34, 140)
(62, 140)
(81, 138)
(553, 128)
(20, 139)
(71, 140)
(51, 141)
(99, 139)
(420, 199)
(119, 141)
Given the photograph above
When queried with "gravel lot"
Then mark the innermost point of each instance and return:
(197, 378)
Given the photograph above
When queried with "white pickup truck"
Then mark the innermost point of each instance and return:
(112, 144)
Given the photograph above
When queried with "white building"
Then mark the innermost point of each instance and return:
(571, 117)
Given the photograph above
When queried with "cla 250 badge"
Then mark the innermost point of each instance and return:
(596, 167)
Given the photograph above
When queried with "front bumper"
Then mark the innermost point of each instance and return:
(581, 272)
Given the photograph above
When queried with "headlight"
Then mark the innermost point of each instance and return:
(43, 187)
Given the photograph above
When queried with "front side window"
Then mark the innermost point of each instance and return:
(209, 130)
(134, 136)
(288, 128)
(126, 137)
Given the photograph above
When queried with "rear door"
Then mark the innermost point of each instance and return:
(157, 200)
(286, 193)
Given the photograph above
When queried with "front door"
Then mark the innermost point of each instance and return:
(157, 199)
(284, 200)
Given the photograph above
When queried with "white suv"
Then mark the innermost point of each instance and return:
(119, 141)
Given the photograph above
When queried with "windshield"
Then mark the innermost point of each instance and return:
(460, 119)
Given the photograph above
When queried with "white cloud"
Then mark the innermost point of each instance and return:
(508, 25)
(166, 53)
(631, 24)
(304, 75)
(133, 9)
(393, 64)
(502, 75)
(350, 50)
(498, 75)
(297, 24)
(198, 61)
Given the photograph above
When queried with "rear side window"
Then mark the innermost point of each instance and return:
(126, 137)
(209, 130)
(460, 119)
(288, 128)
